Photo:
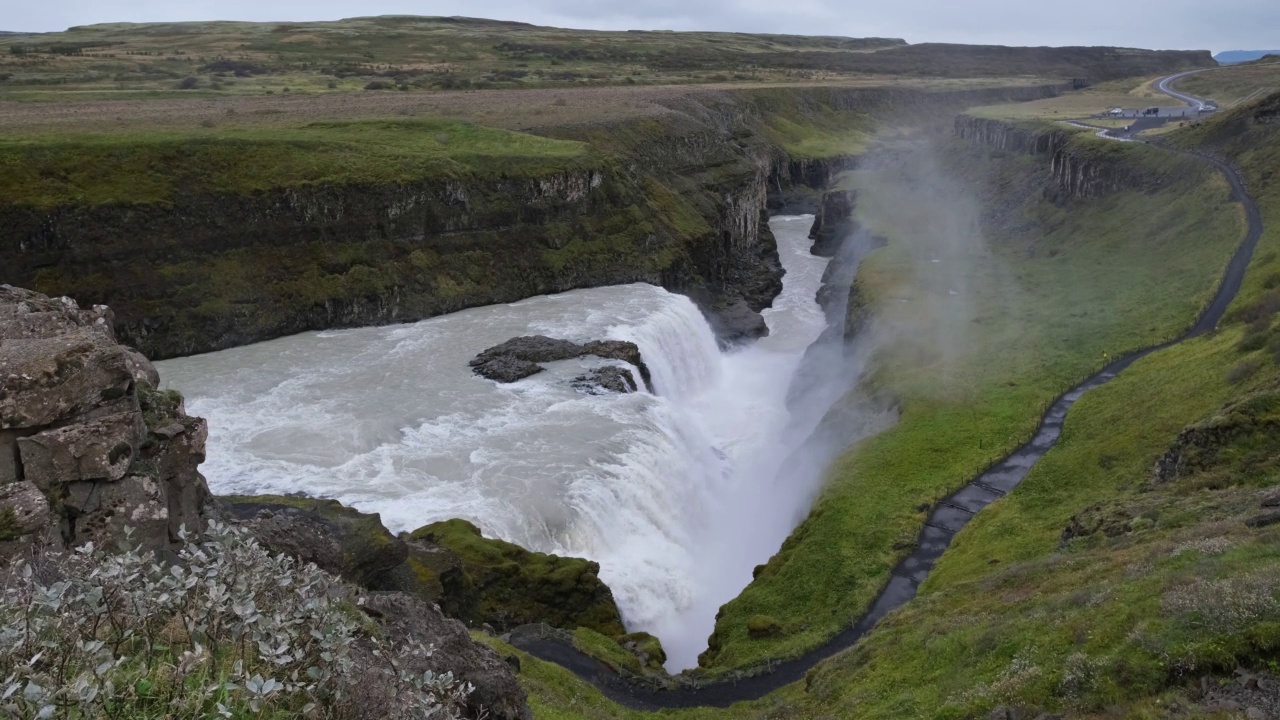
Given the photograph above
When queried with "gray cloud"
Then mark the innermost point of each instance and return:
(1171, 24)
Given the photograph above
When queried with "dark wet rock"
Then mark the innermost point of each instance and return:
(518, 357)
(1264, 520)
(497, 695)
(610, 378)
(507, 369)
(833, 222)
(339, 539)
(1270, 499)
(78, 414)
(734, 322)
(533, 348)
(505, 585)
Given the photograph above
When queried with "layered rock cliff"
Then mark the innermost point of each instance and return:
(1077, 172)
(677, 200)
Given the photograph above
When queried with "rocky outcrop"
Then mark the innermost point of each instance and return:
(1009, 136)
(341, 540)
(478, 580)
(518, 358)
(88, 445)
(504, 585)
(833, 222)
(1076, 172)
(497, 694)
(610, 378)
(1081, 176)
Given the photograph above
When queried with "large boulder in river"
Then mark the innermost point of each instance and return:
(507, 586)
(518, 357)
(89, 450)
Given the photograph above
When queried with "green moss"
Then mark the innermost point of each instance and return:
(159, 407)
(9, 528)
(513, 586)
(606, 650)
(763, 626)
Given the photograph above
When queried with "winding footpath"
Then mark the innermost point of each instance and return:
(946, 519)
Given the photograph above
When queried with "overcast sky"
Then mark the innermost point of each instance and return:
(1174, 24)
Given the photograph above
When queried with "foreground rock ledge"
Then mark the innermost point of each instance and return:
(92, 451)
(88, 445)
(518, 358)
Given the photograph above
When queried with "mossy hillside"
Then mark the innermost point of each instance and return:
(1042, 296)
(1108, 580)
(1171, 583)
(514, 586)
(154, 166)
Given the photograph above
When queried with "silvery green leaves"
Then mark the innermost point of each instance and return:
(227, 630)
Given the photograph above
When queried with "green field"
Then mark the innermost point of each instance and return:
(152, 167)
(1232, 84)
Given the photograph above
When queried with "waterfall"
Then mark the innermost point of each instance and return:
(677, 494)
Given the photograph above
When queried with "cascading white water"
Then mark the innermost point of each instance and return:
(676, 495)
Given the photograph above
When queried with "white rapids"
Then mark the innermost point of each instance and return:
(677, 495)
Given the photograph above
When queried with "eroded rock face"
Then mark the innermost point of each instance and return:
(518, 357)
(341, 540)
(88, 447)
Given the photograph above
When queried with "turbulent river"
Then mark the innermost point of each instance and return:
(677, 495)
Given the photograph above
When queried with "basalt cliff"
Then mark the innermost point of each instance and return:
(677, 200)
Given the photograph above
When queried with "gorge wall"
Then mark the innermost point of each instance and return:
(676, 200)
(1078, 168)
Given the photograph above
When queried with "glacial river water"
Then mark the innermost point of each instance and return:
(677, 495)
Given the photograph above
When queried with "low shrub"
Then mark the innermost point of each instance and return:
(227, 630)
(1244, 370)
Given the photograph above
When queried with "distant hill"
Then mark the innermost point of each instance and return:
(438, 53)
(1231, 57)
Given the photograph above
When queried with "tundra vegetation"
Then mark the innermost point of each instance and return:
(1100, 587)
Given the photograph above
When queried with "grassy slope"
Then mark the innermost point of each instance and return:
(1051, 293)
(416, 52)
(423, 53)
(1232, 84)
(1111, 625)
(151, 166)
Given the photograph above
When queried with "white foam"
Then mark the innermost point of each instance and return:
(675, 495)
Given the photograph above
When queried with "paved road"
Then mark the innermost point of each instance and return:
(1200, 104)
(944, 521)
